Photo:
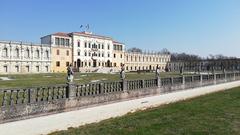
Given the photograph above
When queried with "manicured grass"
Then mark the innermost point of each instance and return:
(213, 114)
(34, 80)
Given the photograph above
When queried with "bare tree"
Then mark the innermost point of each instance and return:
(135, 49)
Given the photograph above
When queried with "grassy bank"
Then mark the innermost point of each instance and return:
(32, 80)
(215, 114)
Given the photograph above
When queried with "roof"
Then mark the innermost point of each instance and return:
(62, 34)
(22, 43)
(86, 34)
(116, 42)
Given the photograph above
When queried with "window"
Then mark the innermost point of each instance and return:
(78, 43)
(102, 54)
(67, 64)
(46, 68)
(67, 42)
(27, 53)
(102, 46)
(89, 45)
(67, 53)
(78, 53)
(114, 55)
(108, 46)
(37, 54)
(58, 63)
(62, 41)
(57, 41)
(120, 48)
(89, 64)
(17, 68)
(5, 68)
(58, 53)
(121, 56)
(85, 54)
(99, 46)
(89, 54)
(5, 52)
(108, 55)
(46, 54)
(27, 69)
(17, 53)
(85, 44)
(37, 68)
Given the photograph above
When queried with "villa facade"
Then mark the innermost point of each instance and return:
(85, 51)
(88, 51)
(61, 55)
(20, 57)
(145, 61)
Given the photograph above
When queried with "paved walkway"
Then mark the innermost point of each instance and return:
(61, 121)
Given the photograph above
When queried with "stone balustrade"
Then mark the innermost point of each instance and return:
(31, 102)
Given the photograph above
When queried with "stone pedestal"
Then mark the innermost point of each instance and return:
(70, 91)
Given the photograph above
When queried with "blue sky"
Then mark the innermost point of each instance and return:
(200, 27)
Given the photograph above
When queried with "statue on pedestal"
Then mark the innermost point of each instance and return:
(70, 73)
(181, 70)
(122, 72)
(157, 71)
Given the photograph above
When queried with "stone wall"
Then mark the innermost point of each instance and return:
(19, 104)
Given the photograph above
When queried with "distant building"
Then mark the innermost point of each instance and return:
(118, 54)
(145, 61)
(61, 55)
(84, 50)
(20, 57)
(206, 65)
(89, 50)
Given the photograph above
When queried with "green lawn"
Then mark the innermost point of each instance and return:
(213, 114)
(32, 80)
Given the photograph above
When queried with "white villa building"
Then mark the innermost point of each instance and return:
(146, 61)
(20, 57)
(89, 50)
(86, 52)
